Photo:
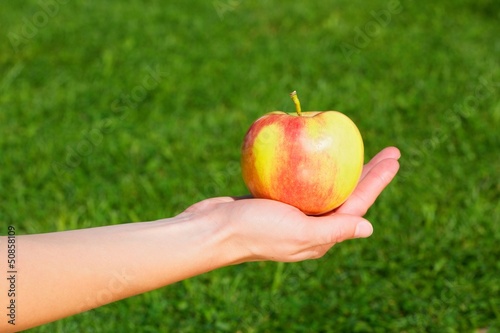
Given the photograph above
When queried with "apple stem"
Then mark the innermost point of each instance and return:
(296, 101)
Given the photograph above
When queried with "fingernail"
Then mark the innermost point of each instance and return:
(363, 229)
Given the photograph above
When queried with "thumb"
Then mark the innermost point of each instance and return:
(340, 227)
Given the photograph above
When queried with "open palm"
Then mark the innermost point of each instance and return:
(270, 230)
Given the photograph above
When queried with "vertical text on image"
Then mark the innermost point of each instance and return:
(11, 275)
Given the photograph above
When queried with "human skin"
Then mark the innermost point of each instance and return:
(60, 274)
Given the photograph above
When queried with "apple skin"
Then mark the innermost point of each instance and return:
(312, 161)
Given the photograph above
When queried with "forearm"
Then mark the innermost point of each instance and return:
(64, 273)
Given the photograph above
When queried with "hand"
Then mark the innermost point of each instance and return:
(263, 229)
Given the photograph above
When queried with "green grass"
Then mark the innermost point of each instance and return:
(89, 137)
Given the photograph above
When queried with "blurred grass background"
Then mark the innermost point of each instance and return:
(130, 111)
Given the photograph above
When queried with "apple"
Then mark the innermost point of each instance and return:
(311, 160)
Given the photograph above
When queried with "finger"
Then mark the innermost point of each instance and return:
(370, 187)
(329, 230)
(389, 152)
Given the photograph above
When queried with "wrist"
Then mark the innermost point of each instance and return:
(213, 235)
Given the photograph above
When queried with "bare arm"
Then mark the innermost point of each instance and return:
(64, 273)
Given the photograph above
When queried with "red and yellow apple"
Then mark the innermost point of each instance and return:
(311, 160)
